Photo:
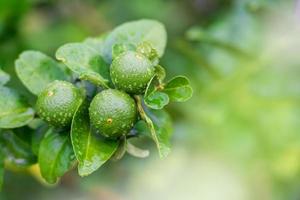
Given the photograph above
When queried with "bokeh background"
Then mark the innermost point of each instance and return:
(238, 138)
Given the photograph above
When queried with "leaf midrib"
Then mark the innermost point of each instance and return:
(87, 147)
(56, 158)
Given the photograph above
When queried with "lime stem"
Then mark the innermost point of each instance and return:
(148, 121)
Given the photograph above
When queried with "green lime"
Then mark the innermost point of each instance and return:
(131, 72)
(113, 113)
(58, 102)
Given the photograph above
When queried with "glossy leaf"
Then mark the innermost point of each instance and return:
(14, 111)
(157, 100)
(178, 89)
(142, 128)
(4, 77)
(37, 137)
(56, 155)
(96, 43)
(36, 70)
(85, 61)
(90, 149)
(153, 98)
(159, 127)
(94, 78)
(16, 150)
(163, 129)
(136, 32)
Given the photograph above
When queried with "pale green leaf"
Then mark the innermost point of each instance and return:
(36, 70)
(14, 111)
(84, 61)
(136, 32)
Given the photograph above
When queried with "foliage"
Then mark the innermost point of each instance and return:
(57, 149)
(242, 59)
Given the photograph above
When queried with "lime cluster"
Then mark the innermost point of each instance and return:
(113, 112)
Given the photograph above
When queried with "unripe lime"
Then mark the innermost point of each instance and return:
(113, 113)
(131, 72)
(58, 102)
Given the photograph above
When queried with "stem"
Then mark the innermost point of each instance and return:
(148, 121)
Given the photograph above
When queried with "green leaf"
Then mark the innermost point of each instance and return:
(136, 32)
(36, 70)
(163, 129)
(179, 89)
(142, 128)
(14, 111)
(56, 155)
(94, 78)
(90, 149)
(4, 77)
(96, 43)
(157, 100)
(37, 137)
(159, 127)
(153, 98)
(85, 61)
(16, 150)
(36, 123)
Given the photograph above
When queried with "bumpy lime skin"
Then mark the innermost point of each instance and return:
(131, 72)
(113, 113)
(58, 102)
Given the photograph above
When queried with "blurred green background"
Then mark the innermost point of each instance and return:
(238, 138)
